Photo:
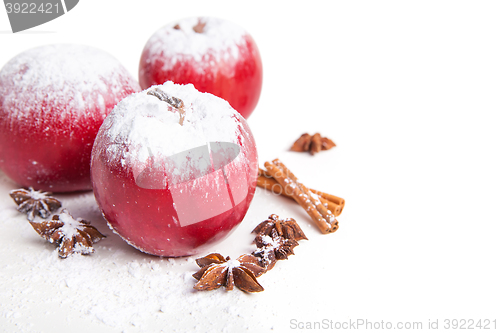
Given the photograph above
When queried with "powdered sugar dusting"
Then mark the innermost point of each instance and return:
(38, 195)
(232, 263)
(71, 225)
(219, 39)
(151, 127)
(315, 197)
(270, 241)
(116, 289)
(64, 75)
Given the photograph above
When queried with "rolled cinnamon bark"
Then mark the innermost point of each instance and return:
(333, 207)
(272, 185)
(301, 198)
(330, 197)
(325, 212)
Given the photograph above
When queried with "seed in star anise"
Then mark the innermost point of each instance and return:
(35, 203)
(217, 271)
(286, 228)
(69, 234)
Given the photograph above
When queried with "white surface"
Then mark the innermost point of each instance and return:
(409, 91)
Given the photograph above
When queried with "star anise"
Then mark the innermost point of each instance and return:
(286, 228)
(271, 248)
(69, 234)
(35, 203)
(217, 271)
(313, 144)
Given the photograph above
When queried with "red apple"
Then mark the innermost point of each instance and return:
(53, 100)
(174, 170)
(215, 55)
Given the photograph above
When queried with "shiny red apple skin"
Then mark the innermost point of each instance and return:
(237, 79)
(151, 219)
(46, 137)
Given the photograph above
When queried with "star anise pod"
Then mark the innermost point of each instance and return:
(286, 228)
(35, 203)
(69, 234)
(272, 248)
(217, 271)
(303, 143)
(266, 256)
(313, 144)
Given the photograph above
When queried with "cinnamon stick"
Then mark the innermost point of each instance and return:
(334, 208)
(302, 199)
(330, 197)
(272, 185)
(338, 201)
(325, 212)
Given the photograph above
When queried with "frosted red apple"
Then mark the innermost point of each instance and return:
(215, 55)
(174, 170)
(53, 100)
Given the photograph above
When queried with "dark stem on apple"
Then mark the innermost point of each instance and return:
(199, 28)
(174, 102)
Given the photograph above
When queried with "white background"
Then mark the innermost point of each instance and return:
(409, 91)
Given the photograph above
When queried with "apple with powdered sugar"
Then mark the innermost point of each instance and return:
(215, 55)
(174, 170)
(53, 100)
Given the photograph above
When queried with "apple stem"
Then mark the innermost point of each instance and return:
(199, 28)
(174, 102)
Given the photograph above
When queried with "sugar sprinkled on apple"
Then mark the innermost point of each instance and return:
(53, 100)
(174, 170)
(215, 55)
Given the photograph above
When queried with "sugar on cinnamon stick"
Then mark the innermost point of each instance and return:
(330, 197)
(326, 213)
